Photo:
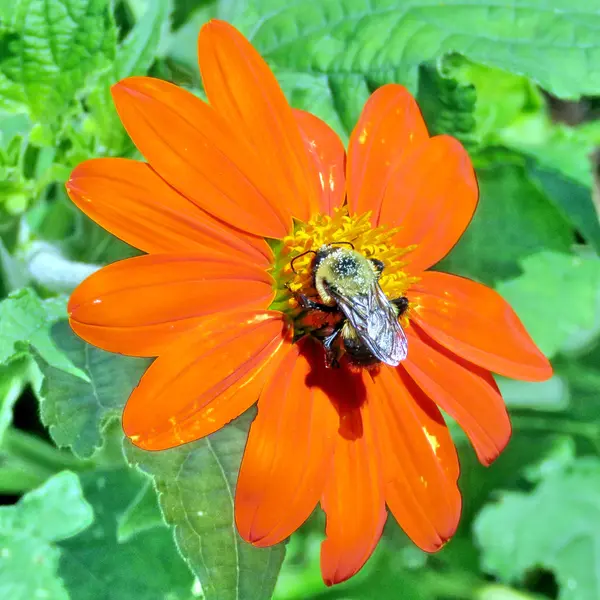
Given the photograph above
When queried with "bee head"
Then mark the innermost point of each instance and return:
(342, 271)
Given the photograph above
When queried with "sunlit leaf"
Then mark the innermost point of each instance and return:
(53, 46)
(77, 410)
(28, 533)
(558, 299)
(555, 527)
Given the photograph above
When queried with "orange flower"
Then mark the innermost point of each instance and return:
(232, 192)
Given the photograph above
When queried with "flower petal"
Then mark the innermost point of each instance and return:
(353, 501)
(433, 196)
(206, 379)
(130, 200)
(466, 392)
(288, 454)
(389, 130)
(141, 305)
(420, 462)
(242, 88)
(476, 323)
(191, 146)
(328, 159)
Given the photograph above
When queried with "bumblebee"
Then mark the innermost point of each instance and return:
(348, 286)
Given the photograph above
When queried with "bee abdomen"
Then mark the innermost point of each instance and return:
(357, 351)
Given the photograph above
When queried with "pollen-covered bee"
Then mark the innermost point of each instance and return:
(348, 283)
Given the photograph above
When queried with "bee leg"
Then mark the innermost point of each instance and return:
(306, 302)
(331, 354)
(401, 304)
(377, 265)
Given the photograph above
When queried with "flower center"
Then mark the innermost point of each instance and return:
(293, 269)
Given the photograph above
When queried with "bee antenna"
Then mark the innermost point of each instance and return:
(346, 243)
(300, 256)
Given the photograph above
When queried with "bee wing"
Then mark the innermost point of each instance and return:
(376, 322)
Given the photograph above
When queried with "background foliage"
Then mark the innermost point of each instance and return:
(87, 517)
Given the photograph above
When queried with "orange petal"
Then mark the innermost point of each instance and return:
(288, 454)
(420, 462)
(476, 323)
(206, 379)
(353, 501)
(196, 151)
(328, 159)
(130, 200)
(389, 130)
(432, 196)
(140, 305)
(466, 392)
(242, 88)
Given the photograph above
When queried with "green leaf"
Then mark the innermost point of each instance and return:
(142, 514)
(196, 488)
(52, 47)
(97, 565)
(570, 196)
(28, 531)
(514, 219)
(558, 298)
(25, 321)
(556, 43)
(515, 536)
(77, 410)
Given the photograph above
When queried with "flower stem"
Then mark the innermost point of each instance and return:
(47, 267)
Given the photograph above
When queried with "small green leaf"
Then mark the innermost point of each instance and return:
(142, 514)
(25, 321)
(53, 46)
(77, 410)
(13, 378)
(514, 219)
(96, 565)
(196, 488)
(555, 527)
(28, 559)
(557, 297)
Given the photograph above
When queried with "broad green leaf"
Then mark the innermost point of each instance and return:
(558, 299)
(514, 219)
(196, 489)
(77, 410)
(53, 46)
(555, 527)
(142, 514)
(555, 44)
(28, 531)
(97, 565)
(25, 321)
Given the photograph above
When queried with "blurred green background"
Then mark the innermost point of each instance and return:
(517, 82)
